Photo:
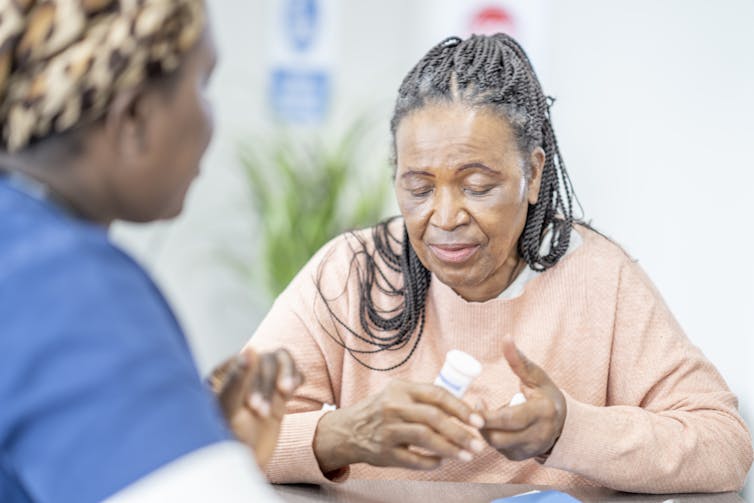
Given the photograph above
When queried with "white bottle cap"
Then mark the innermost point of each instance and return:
(458, 371)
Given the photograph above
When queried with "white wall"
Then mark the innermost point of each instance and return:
(654, 110)
(654, 116)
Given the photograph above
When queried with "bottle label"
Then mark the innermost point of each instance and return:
(445, 383)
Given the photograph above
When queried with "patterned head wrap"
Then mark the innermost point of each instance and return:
(62, 61)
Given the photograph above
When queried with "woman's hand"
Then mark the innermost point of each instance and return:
(532, 428)
(252, 391)
(386, 429)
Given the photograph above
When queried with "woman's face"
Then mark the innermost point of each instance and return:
(177, 129)
(462, 190)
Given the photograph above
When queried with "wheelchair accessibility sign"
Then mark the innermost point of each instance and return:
(300, 80)
(301, 18)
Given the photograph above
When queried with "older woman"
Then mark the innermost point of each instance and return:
(103, 117)
(487, 259)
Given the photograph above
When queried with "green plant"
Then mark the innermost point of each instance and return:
(305, 192)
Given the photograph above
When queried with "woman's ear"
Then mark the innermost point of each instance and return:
(536, 166)
(127, 125)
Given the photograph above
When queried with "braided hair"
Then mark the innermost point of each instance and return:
(490, 72)
(62, 61)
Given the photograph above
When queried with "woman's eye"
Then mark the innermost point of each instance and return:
(477, 191)
(421, 192)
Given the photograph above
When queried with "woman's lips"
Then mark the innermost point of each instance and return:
(454, 254)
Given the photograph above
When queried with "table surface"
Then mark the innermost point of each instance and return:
(413, 491)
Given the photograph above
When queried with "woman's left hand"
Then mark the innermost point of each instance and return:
(530, 429)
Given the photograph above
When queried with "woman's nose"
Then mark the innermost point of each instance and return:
(448, 211)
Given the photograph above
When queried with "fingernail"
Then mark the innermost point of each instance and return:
(476, 420)
(264, 409)
(477, 445)
(287, 384)
(465, 456)
(255, 401)
(241, 361)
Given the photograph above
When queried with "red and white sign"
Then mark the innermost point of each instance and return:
(525, 20)
(491, 19)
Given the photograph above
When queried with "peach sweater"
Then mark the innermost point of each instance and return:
(646, 411)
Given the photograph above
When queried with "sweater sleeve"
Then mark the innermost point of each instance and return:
(299, 323)
(671, 424)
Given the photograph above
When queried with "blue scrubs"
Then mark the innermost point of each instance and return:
(97, 385)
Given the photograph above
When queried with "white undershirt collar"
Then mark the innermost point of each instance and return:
(516, 288)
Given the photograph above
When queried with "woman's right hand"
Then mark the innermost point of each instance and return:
(385, 429)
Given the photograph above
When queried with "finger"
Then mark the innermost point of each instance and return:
(231, 392)
(507, 440)
(248, 381)
(266, 384)
(422, 436)
(443, 399)
(481, 407)
(289, 378)
(443, 424)
(530, 374)
(278, 407)
(484, 410)
(218, 375)
(516, 418)
(256, 401)
(407, 458)
(516, 446)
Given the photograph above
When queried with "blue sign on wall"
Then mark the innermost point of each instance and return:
(300, 83)
(300, 96)
(302, 23)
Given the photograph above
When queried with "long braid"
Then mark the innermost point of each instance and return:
(384, 329)
(490, 72)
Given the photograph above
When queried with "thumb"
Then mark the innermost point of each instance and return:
(531, 375)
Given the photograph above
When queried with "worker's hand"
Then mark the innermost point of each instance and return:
(252, 390)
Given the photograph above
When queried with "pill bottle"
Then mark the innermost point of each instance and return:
(458, 371)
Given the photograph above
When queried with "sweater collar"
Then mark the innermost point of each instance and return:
(517, 287)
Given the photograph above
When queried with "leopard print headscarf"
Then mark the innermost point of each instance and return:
(62, 61)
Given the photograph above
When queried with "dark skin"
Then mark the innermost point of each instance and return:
(383, 430)
(532, 428)
(463, 191)
(134, 164)
(463, 188)
(252, 390)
